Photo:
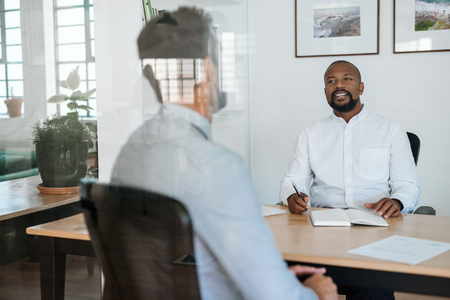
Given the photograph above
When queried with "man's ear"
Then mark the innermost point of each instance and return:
(148, 72)
(361, 88)
(210, 70)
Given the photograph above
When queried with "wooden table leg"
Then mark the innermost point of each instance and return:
(52, 269)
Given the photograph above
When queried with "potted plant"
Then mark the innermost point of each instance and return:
(14, 105)
(62, 150)
(75, 102)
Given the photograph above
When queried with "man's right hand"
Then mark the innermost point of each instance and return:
(323, 286)
(296, 204)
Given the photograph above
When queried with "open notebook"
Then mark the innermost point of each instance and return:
(346, 217)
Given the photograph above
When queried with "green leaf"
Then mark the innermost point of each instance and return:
(85, 107)
(75, 95)
(88, 93)
(73, 80)
(72, 105)
(58, 98)
(63, 83)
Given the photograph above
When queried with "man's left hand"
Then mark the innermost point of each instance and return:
(386, 207)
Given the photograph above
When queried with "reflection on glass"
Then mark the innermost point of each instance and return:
(15, 71)
(13, 36)
(228, 61)
(93, 49)
(12, 19)
(14, 53)
(72, 52)
(3, 88)
(69, 2)
(3, 108)
(72, 16)
(72, 34)
(15, 88)
(2, 72)
(65, 69)
(91, 71)
(12, 4)
(92, 30)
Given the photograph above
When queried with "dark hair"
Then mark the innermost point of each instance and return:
(189, 34)
(344, 62)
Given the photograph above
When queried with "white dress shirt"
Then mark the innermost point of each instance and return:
(236, 256)
(344, 165)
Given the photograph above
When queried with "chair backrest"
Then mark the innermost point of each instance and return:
(415, 148)
(415, 145)
(140, 239)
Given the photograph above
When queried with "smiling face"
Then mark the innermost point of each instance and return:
(343, 87)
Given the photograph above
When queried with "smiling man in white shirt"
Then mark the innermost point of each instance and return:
(353, 158)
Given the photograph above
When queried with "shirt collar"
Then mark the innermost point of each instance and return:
(359, 118)
(196, 120)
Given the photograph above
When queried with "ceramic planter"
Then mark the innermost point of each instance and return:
(60, 168)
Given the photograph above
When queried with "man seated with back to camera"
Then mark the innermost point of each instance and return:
(351, 159)
(235, 253)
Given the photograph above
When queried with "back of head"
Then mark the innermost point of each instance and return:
(184, 33)
(184, 44)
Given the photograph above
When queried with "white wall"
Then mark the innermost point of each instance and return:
(287, 95)
(119, 84)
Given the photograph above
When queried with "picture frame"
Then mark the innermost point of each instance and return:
(411, 33)
(336, 28)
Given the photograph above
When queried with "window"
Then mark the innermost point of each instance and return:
(11, 70)
(74, 46)
(177, 78)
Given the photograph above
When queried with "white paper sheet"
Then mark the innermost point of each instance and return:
(402, 249)
(270, 211)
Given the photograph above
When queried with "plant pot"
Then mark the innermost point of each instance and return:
(62, 168)
(14, 107)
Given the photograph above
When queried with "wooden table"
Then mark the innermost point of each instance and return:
(300, 242)
(56, 239)
(23, 205)
(20, 197)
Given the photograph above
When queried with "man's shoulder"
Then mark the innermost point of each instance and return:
(380, 120)
(320, 124)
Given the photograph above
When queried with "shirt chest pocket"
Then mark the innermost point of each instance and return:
(373, 163)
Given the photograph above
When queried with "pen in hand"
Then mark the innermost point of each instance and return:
(298, 193)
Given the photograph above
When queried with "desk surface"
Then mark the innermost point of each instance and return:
(299, 241)
(73, 227)
(20, 197)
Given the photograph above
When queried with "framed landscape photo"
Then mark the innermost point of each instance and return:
(336, 27)
(421, 26)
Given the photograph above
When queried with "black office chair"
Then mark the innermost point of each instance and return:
(414, 141)
(142, 240)
(415, 148)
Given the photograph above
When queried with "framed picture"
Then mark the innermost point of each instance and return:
(333, 27)
(421, 26)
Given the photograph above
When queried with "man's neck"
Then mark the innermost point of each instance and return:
(348, 115)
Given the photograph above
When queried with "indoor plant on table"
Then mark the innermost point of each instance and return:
(62, 142)
(62, 150)
(78, 101)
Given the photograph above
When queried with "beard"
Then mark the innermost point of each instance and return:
(349, 106)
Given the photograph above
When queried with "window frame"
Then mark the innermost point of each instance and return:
(88, 42)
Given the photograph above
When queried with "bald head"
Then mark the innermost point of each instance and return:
(343, 62)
